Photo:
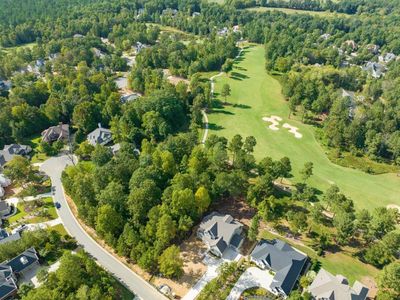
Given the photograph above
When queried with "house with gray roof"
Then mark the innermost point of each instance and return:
(23, 262)
(8, 286)
(220, 232)
(4, 208)
(327, 286)
(59, 132)
(285, 261)
(9, 151)
(6, 238)
(375, 69)
(100, 135)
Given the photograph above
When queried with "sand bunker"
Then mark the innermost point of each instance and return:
(274, 120)
(293, 130)
(394, 206)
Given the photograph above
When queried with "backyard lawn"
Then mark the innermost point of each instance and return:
(255, 94)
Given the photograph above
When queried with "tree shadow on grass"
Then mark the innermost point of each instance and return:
(238, 76)
(244, 106)
(217, 104)
(213, 126)
(223, 112)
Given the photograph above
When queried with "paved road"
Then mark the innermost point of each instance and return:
(54, 167)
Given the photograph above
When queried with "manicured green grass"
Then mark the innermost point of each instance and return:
(22, 213)
(336, 263)
(256, 94)
(298, 11)
(34, 142)
(60, 229)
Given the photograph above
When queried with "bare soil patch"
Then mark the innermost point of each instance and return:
(192, 253)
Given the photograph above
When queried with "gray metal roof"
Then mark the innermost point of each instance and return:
(223, 229)
(282, 258)
(326, 285)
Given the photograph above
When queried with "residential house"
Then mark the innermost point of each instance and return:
(351, 43)
(222, 32)
(4, 182)
(129, 97)
(325, 36)
(59, 132)
(285, 261)
(98, 53)
(5, 208)
(10, 270)
(5, 85)
(8, 286)
(236, 28)
(372, 48)
(100, 135)
(376, 70)
(139, 47)
(169, 12)
(23, 262)
(220, 232)
(327, 286)
(115, 148)
(9, 151)
(387, 58)
(36, 67)
(6, 238)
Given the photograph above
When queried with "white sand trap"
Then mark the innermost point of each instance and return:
(393, 206)
(274, 120)
(293, 130)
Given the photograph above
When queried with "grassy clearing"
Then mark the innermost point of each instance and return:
(336, 263)
(256, 94)
(10, 49)
(60, 229)
(298, 11)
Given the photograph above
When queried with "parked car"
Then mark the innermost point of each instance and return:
(58, 205)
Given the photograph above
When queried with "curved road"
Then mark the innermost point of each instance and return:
(54, 167)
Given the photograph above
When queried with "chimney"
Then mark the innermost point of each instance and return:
(99, 124)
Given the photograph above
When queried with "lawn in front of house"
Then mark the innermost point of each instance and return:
(256, 94)
(31, 212)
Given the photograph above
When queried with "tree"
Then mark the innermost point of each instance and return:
(383, 221)
(170, 262)
(19, 170)
(202, 199)
(344, 223)
(389, 282)
(101, 155)
(85, 150)
(86, 116)
(307, 171)
(249, 143)
(226, 91)
(297, 220)
(254, 228)
(104, 225)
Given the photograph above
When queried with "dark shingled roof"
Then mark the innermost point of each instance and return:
(23, 261)
(283, 259)
(7, 288)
